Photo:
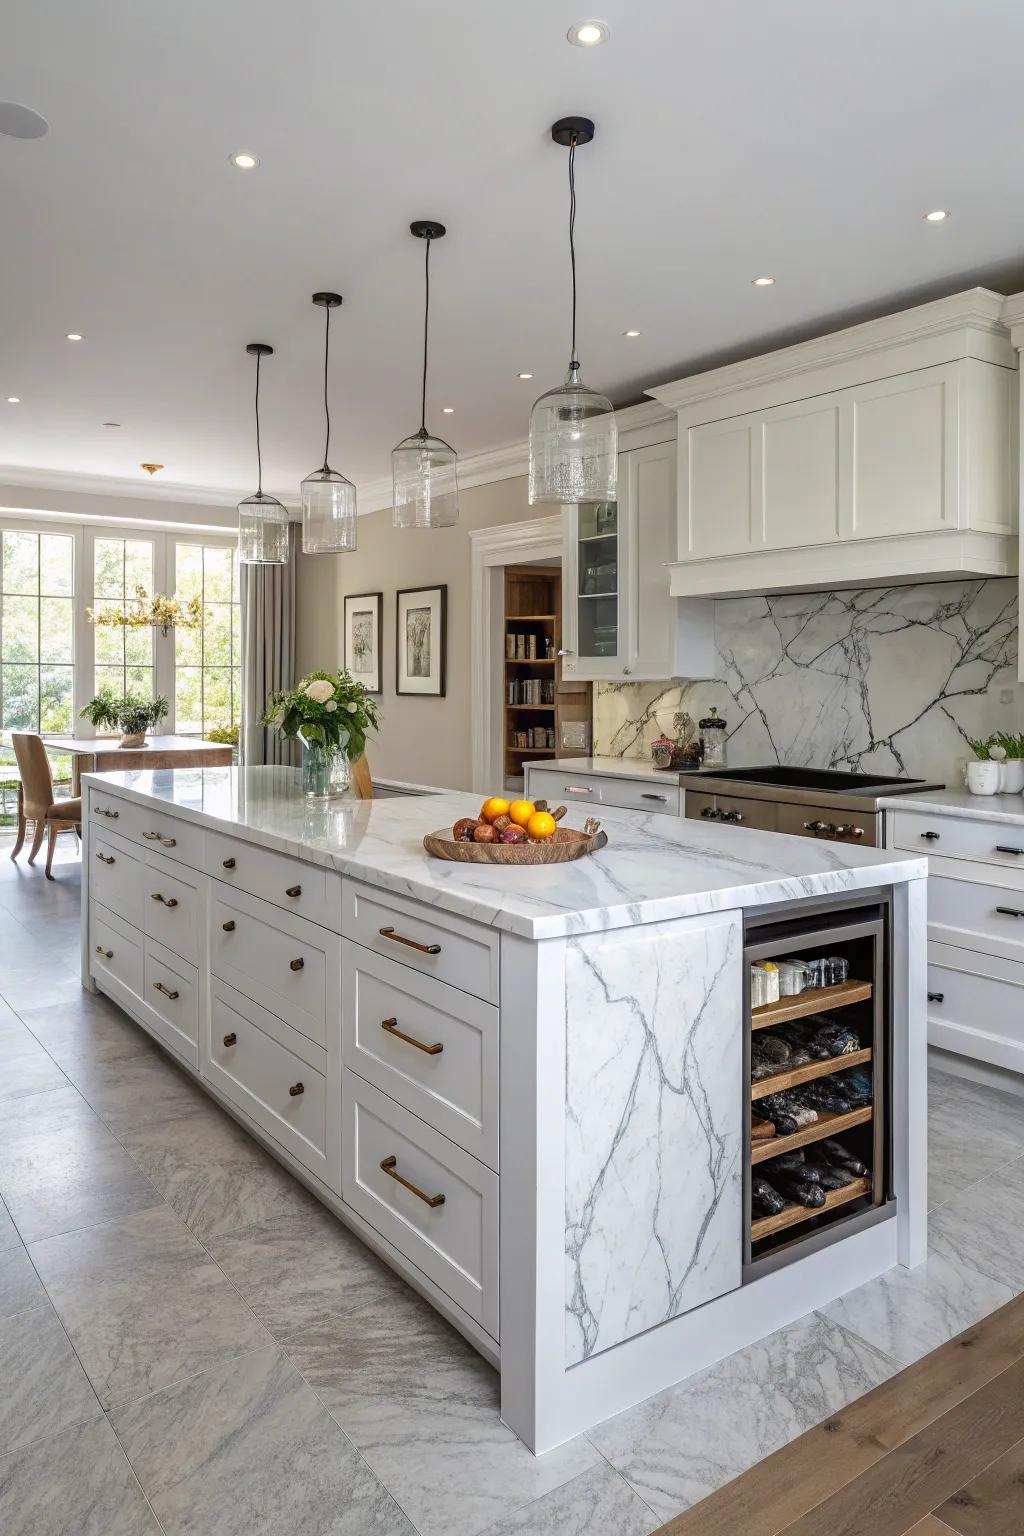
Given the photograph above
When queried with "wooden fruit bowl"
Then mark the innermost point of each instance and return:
(566, 845)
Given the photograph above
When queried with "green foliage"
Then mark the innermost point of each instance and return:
(341, 718)
(130, 714)
(1012, 745)
(225, 735)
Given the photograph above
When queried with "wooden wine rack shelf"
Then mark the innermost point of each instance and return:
(826, 1125)
(792, 1077)
(813, 1000)
(792, 1215)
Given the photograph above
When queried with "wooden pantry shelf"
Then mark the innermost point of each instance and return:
(812, 1000)
(792, 1215)
(790, 1077)
(530, 618)
(530, 661)
(827, 1124)
(530, 706)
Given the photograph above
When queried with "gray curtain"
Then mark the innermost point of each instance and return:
(267, 595)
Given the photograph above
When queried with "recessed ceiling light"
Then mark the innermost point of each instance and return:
(587, 34)
(244, 161)
(13, 399)
(73, 336)
(449, 410)
(19, 122)
(937, 216)
(762, 282)
(526, 375)
(631, 333)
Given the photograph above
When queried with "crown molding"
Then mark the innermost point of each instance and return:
(112, 485)
(1013, 318)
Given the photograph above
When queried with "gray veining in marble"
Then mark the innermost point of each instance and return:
(885, 679)
(89, 1029)
(653, 1056)
(77, 1483)
(982, 1229)
(246, 1449)
(597, 1503)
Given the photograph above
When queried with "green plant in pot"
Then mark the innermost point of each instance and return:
(329, 713)
(128, 713)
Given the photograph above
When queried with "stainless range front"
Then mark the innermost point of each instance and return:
(806, 802)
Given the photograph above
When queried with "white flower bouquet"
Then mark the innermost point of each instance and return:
(327, 709)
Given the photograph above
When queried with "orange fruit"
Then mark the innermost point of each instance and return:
(541, 826)
(493, 808)
(520, 812)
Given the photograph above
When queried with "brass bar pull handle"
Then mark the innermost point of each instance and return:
(391, 1025)
(166, 992)
(108, 954)
(230, 1039)
(296, 965)
(936, 997)
(229, 863)
(101, 810)
(399, 938)
(168, 901)
(296, 1089)
(105, 858)
(229, 926)
(389, 1165)
(1010, 912)
(294, 890)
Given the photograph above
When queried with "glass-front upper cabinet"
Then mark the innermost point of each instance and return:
(598, 566)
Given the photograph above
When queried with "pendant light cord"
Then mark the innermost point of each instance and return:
(327, 409)
(574, 360)
(426, 323)
(259, 458)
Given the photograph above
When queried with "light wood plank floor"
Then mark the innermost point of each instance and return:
(936, 1451)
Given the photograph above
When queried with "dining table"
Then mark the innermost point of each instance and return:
(104, 754)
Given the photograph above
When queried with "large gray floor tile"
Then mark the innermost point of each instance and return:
(8, 1231)
(23, 1118)
(597, 1503)
(957, 1160)
(680, 1446)
(20, 1286)
(247, 1450)
(984, 1111)
(89, 1029)
(304, 1268)
(144, 1303)
(44, 1389)
(38, 983)
(982, 1228)
(27, 1071)
(135, 1091)
(77, 1483)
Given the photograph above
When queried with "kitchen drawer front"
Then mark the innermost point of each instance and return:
(275, 1076)
(438, 944)
(957, 837)
(976, 1005)
(113, 814)
(174, 907)
(454, 1242)
(972, 915)
(308, 890)
(566, 787)
(117, 875)
(280, 961)
(173, 839)
(439, 1055)
(171, 992)
(115, 949)
(652, 795)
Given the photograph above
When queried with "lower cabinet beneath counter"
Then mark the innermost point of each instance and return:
(976, 1005)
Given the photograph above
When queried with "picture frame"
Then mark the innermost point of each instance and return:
(421, 640)
(364, 634)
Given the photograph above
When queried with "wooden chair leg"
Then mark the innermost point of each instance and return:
(54, 829)
(19, 844)
(39, 832)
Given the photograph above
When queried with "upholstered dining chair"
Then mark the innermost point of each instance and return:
(362, 779)
(36, 803)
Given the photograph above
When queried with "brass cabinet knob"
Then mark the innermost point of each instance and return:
(104, 859)
(296, 1089)
(296, 965)
(229, 926)
(229, 863)
(168, 901)
(108, 954)
(294, 890)
(230, 1039)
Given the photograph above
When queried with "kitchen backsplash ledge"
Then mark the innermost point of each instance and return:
(884, 679)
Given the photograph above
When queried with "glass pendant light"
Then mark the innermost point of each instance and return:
(573, 437)
(423, 467)
(328, 499)
(262, 520)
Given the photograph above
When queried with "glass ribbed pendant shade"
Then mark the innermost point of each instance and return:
(573, 444)
(262, 520)
(424, 472)
(328, 499)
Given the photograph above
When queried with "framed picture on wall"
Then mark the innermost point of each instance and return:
(421, 640)
(363, 620)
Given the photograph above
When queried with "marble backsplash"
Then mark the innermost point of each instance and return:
(886, 679)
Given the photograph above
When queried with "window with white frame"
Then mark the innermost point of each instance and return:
(37, 630)
(122, 657)
(208, 661)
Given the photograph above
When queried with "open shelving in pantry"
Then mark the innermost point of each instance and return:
(538, 702)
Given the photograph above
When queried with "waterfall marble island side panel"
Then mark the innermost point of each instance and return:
(598, 1256)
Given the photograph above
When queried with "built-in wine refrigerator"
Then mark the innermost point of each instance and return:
(817, 1079)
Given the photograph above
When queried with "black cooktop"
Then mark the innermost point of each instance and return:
(832, 779)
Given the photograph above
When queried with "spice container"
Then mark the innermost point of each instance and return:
(712, 736)
(838, 970)
(758, 986)
(792, 977)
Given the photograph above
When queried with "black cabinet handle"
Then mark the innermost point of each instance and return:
(296, 965)
(230, 1039)
(1004, 848)
(1010, 912)
(229, 926)
(294, 890)
(228, 863)
(932, 837)
(936, 997)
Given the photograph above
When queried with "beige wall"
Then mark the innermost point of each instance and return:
(424, 740)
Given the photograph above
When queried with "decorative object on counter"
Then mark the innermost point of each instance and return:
(421, 640)
(712, 737)
(329, 713)
(575, 736)
(150, 612)
(328, 499)
(514, 832)
(363, 629)
(262, 520)
(983, 777)
(424, 468)
(1004, 750)
(131, 715)
(573, 435)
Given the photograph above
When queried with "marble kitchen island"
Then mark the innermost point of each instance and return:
(527, 1089)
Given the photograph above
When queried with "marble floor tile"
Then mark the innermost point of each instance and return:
(302, 1269)
(423, 1408)
(213, 1174)
(981, 1229)
(680, 1446)
(248, 1450)
(143, 1303)
(135, 1091)
(984, 1111)
(41, 983)
(8, 1231)
(20, 1286)
(597, 1503)
(87, 1030)
(25, 1068)
(77, 1483)
(23, 1118)
(45, 1389)
(956, 1160)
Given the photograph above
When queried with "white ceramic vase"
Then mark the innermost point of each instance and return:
(1011, 776)
(983, 778)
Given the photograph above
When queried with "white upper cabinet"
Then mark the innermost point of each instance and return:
(885, 453)
(618, 617)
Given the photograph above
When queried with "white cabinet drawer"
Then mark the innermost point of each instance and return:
(438, 944)
(117, 876)
(308, 890)
(968, 913)
(174, 839)
(976, 1005)
(174, 906)
(276, 1077)
(115, 949)
(171, 993)
(428, 1045)
(957, 837)
(284, 963)
(660, 797)
(121, 816)
(435, 1203)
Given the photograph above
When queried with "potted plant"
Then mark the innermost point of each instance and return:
(330, 714)
(1008, 750)
(130, 714)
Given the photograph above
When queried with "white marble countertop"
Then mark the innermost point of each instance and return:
(654, 867)
(959, 802)
(614, 767)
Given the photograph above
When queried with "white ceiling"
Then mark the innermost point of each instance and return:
(799, 138)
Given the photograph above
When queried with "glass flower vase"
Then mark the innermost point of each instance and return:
(326, 770)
